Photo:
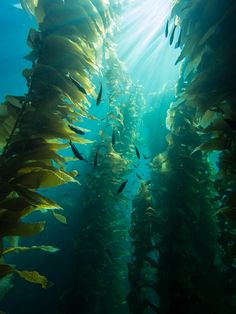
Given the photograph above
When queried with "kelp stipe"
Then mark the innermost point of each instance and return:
(143, 267)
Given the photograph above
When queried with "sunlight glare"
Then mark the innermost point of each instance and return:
(142, 43)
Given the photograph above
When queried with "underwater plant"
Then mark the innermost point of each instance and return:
(35, 127)
(102, 245)
(211, 91)
(143, 267)
(211, 83)
(189, 265)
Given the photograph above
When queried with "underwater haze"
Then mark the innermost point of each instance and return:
(117, 157)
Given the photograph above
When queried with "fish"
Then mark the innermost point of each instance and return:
(137, 152)
(146, 157)
(135, 166)
(122, 186)
(99, 98)
(95, 162)
(167, 29)
(172, 35)
(231, 123)
(77, 84)
(177, 45)
(138, 176)
(76, 130)
(76, 152)
(148, 182)
(113, 138)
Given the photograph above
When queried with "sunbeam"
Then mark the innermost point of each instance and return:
(143, 44)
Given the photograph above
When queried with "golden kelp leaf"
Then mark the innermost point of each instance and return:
(46, 248)
(44, 178)
(80, 140)
(115, 156)
(208, 118)
(22, 229)
(16, 101)
(35, 199)
(60, 218)
(33, 277)
(36, 154)
(29, 5)
(211, 145)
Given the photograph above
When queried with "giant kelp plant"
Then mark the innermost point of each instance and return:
(100, 284)
(211, 73)
(189, 266)
(143, 265)
(35, 127)
(211, 90)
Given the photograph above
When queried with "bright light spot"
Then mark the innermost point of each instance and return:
(142, 43)
(17, 6)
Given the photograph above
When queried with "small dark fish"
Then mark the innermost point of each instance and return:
(122, 186)
(167, 29)
(76, 130)
(172, 35)
(231, 123)
(177, 45)
(113, 138)
(95, 162)
(77, 84)
(76, 152)
(138, 176)
(135, 166)
(137, 152)
(148, 182)
(99, 98)
(146, 157)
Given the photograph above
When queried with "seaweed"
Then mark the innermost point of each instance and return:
(35, 126)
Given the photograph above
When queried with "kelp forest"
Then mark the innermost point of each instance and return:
(118, 163)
